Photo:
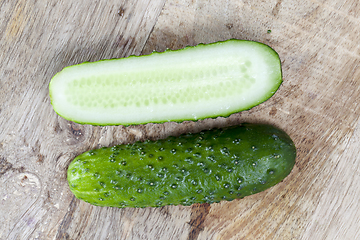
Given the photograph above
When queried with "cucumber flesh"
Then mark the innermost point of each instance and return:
(210, 166)
(193, 83)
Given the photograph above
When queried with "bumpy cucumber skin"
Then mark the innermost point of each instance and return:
(207, 167)
(271, 92)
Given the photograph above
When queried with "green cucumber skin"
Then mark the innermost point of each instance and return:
(270, 93)
(206, 167)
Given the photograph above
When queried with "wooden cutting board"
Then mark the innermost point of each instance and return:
(318, 105)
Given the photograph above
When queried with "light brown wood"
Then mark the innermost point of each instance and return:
(318, 105)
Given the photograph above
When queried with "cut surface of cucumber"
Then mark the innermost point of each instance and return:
(204, 81)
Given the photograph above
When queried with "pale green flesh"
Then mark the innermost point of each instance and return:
(189, 84)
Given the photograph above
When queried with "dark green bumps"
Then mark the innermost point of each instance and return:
(207, 167)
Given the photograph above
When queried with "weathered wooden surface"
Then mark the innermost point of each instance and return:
(318, 105)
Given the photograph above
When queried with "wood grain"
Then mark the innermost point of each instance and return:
(318, 105)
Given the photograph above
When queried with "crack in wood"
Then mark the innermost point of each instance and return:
(277, 7)
(4, 166)
(197, 219)
(121, 11)
(152, 28)
(66, 222)
(7, 166)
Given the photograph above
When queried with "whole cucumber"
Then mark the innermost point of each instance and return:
(207, 167)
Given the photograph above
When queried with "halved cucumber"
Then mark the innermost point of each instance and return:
(204, 81)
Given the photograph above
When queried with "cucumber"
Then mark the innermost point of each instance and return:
(207, 167)
(205, 81)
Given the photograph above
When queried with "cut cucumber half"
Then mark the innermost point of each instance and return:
(205, 81)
